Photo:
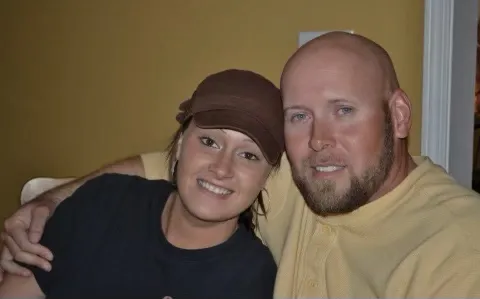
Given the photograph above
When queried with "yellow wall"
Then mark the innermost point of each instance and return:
(86, 82)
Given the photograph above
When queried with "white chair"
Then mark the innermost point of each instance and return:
(37, 186)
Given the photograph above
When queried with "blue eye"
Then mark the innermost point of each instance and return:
(345, 110)
(208, 142)
(298, 117)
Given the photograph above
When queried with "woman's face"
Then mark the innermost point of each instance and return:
(220, 173)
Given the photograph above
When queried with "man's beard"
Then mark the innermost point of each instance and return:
(321, 197)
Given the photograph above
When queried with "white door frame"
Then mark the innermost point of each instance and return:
(450, 38)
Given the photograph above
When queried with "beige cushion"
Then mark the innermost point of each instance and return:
(37, 186)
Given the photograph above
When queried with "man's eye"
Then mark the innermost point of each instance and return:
(298, 117)
(345, 110)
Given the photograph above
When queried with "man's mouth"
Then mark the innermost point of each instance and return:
(328, 168)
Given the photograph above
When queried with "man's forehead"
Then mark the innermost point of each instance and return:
(331, 61)
(328, 80)
(349, 75)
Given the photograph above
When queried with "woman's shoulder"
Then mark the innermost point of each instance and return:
(261, 268)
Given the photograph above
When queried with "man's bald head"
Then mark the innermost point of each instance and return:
(353, 50)
(346, 121)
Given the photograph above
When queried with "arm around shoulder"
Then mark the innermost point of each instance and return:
(68, 228)
(131, 166)
(155, 165)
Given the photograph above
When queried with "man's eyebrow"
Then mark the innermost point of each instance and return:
(296, 107)
(338, 100)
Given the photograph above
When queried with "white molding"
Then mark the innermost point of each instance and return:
(437, 71)
(450, 36)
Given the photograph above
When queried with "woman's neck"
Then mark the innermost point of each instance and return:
(183, 230)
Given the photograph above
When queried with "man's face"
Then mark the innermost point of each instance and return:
(338, 132)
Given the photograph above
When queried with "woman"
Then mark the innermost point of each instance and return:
(191, 237)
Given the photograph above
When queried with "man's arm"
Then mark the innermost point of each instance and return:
(25, 227)
(66, 231)
(131, 165)
(14, 286)
(441, 273)
(460, 278)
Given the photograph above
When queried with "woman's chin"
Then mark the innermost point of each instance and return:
(209, 216)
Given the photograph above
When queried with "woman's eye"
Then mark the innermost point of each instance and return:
(249, 156)
(208, 142)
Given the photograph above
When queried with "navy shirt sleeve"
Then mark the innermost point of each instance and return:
(77, 215)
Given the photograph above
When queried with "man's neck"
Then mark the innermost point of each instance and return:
(185, 231)
(401, 168)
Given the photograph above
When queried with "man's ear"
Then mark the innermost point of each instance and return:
(401, 112)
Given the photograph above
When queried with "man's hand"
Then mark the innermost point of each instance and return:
(23, 231)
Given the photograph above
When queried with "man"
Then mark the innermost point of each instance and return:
(369, 220)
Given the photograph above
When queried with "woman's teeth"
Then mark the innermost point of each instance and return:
(213, 188)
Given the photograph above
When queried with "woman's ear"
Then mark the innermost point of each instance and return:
(178, 147)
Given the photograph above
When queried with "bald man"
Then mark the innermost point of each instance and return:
(361, 217)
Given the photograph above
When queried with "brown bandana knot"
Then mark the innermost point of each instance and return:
(185, 111)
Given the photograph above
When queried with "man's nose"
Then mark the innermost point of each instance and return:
(321, 136)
